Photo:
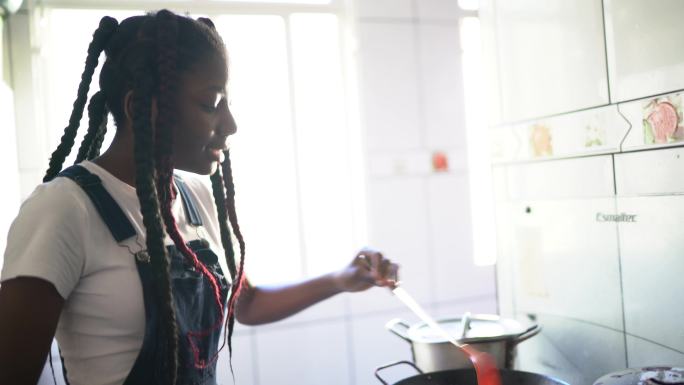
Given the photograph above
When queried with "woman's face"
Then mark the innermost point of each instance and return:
(204, 119)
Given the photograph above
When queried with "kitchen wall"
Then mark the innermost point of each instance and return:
(586, 152)
(411, 96)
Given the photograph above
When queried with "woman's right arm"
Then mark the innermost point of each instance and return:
(29, 311)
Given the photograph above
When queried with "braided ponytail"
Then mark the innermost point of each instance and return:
(167, 29)
(101, 36)
(97, 116)
(238, 277)
(149, 205)
(97, 141)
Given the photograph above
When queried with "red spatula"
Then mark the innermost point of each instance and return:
(485, 366)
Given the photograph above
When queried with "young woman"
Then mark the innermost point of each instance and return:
(130, 267)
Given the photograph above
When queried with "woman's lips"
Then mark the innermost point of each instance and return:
(215, 153)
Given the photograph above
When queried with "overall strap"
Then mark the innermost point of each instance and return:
(111, 213)
(188, 202)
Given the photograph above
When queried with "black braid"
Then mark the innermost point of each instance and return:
(101, 36)
(218, 190)
(238, 281)
(97, 141)
(149, 205)
(97, 116)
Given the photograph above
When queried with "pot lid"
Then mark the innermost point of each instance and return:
(654, 375)
(482, 328)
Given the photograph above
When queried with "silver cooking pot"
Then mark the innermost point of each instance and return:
(487, 333)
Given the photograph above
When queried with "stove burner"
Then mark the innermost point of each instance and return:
(655, 375)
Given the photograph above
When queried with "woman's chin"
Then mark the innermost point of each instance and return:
(206, 168)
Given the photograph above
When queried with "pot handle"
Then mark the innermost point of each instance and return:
(383, 367)
(527, 334)
(399, 328)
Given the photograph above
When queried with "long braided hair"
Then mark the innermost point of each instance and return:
(146, 54)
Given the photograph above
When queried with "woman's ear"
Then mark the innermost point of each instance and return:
(128, 109)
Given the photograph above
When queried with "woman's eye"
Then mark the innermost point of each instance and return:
(209, 108)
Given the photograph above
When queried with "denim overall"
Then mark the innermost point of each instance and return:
(199, 327)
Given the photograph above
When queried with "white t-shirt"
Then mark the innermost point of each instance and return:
(59, 236)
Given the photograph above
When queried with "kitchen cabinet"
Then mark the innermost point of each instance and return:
(551, 57)
(643, 43)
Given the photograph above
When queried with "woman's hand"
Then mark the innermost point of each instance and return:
(369, 268)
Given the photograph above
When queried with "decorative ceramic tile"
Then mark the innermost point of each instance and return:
(656, 122)
(662, 120)
(595, 131)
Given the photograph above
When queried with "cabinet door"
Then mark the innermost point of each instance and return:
(643, 41)
(551, 57)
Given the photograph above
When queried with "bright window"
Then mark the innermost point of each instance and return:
(479, 165)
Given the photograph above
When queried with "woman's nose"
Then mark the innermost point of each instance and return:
(227, 124)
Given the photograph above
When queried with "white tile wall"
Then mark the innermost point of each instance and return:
(576, 178)
(375, 346)
(505, 239)
(652, 266)
(485, 304)
(441, 84)
(551, 55)
(576, 352)
(438, 9)
(244, 366)
(455, 274)
(332, 308)
(315, 353)
(649, 172)
(395, 9)
(389, 87)
(399, 227)
(555, 244)
(641, 353)
(643, 55)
